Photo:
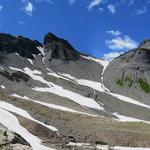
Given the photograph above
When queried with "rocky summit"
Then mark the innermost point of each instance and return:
(54, 97)
(56, 48)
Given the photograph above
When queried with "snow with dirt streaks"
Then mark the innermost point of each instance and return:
(23, 113)
(66, 93)
(99, 87)
(123, 118)
(95, 85)
(53, 106)
(104, 147)
(58, 90)
(81, 100)
(12, 123)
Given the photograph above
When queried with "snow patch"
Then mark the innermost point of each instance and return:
(123, 118)
(41, 49)
(81, 100)
(12, 123)
(15, 69)
(58, 90)
(105, 147)
(3, 87)
(99, 87)
(31, 62)
(23, 113)
(53, 106)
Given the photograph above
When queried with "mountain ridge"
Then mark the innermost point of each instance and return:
(65, 101)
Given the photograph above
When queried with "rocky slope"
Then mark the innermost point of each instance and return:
(56, 98)
(129, 73)
(10, 140)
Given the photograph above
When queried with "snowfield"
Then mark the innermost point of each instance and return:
(52, 106)
(77, 98)
(58, 90)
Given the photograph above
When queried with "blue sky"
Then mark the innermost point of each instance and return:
(101, 28)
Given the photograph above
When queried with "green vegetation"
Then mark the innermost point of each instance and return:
(144, 85)
(119, 82)
(127, 80)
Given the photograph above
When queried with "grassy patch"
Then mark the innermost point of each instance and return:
(127, 81)
(119, 82)
(144, 85)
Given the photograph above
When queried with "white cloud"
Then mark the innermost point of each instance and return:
(29, 8)
(112, 8)
(1, 7)
(141, 11)
(110, 56)
(114, 33)
(121, 43)
(94, 3)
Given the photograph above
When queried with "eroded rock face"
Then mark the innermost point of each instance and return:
(129, 73)
(23, 46)
(56, 48)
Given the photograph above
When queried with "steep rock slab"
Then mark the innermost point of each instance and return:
(129, 73)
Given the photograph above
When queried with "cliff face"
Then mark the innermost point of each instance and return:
(129, 73)
(56, 48)
(23, 46)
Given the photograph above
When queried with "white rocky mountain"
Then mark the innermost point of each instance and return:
(53, 97)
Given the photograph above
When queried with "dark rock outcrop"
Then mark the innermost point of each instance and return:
(10, 140)
(23, 46)
(15, 76)
(56, 48)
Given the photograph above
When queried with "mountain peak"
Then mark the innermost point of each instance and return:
(57, 48)
(50, 37)
(21, 45)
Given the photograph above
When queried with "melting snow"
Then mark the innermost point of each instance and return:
(104, 147)
(23, 113)
(53, 106)
(3, 87)
(128, 119)
(101, 88)
(83, 101)
(15, 69)
(41, 49)
(12, 123)
(58, 90)
(30, 61)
